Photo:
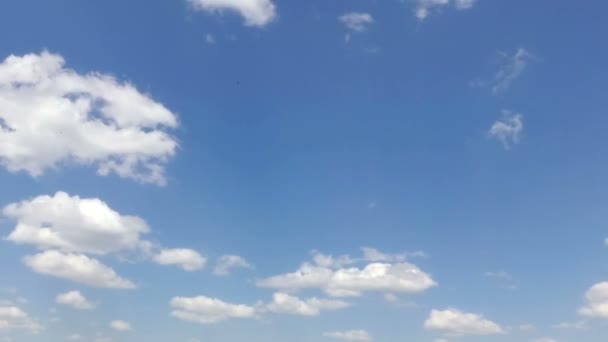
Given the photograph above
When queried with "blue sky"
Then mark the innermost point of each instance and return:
(228, 170)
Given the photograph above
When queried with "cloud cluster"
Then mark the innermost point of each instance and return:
(69, 229)
(51, 115)
(226, 263)
(14, 318)
(336, 279)
(255, 12)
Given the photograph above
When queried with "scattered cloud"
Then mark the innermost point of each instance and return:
(286, 304)
(78, 268)
(597, 301)
(74, 337)
(423, 8)
(333, 277)
(578, 325)
(187, 259)
(67, 224)
(119, 325)
(457, 323)
(351, 335)
(508, 129)
(358, 22)
(75, 299)
(209, 38)
(74, 224)
(227, 263)
(205, 310)
(505, 278)
(545, 339)
(53, 116)
(511, 68)
(255, 12)
(14, 318)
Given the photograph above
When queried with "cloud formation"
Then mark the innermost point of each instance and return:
(457, 323)
(255, 12)
(51, 116)
(287, 304)
(357, 21)
(335, 279)
(351, 335)
(206, 310)
(508, 129)
(75, 299)
(227, 263)
(78, 268)
(423, 8)
(597, 301)
(187, 259)
(14, 318)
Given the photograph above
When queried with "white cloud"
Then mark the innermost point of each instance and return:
(205, 310)
(357, 21)
(52, 116)
(187, 259)
(597, 301)
(511, 69)
(351, 335)
(255, 12)
(424, 8)
(78, 268)
(74, 224)
(74, 337)
(14, 318)
(119, 325)
(457, 323)
(226, 263)
(578, 325)
(329, 275)
(545, 339)
(75, 299)
(508, 129)
(286, 304)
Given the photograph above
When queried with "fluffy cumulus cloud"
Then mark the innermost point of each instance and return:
(14, 318)
(255, 12)
(458, 323)
(78, 268)
(187, 259)
(74, 299)
(119, 325)
(286, 304)
(357, 21)
(336, 279)
(74, 224)
(51, 116)
(597, 301)
(205, 310)
(68, 228)
(351, 335)
(423, 8)
(227, 263)
(508, 129)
